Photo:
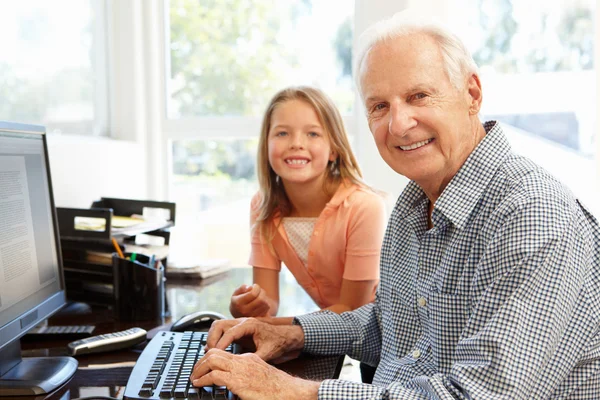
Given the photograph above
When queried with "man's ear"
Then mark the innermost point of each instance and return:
(475, 94)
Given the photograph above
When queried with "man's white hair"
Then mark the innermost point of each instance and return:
(458, 61)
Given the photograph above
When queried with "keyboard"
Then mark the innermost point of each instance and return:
(63, 332)
(163, 369)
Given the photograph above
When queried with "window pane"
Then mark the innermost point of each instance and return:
(46, 64)
(212, 183)
(228, 57)
(538, 76)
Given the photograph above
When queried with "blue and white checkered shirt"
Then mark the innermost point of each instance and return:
(499, 300)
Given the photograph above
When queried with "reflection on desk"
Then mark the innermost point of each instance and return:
(214, 293)
(107, 374)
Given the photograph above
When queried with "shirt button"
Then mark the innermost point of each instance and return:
(316, 233)
(416, 353)
(422, 302)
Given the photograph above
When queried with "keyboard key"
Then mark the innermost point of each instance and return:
(193, 393)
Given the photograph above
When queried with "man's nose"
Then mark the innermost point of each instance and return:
(401, 120)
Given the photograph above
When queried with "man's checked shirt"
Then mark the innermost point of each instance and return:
(499, 300)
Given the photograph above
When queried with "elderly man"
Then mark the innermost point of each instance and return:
(489, 269)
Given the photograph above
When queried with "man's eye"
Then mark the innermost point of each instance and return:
(377, 108)
(419, 96)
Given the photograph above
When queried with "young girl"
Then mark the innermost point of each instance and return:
(312, 211)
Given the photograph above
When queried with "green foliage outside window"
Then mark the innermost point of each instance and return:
(226, 58)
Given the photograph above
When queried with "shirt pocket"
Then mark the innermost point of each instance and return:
(447, 317)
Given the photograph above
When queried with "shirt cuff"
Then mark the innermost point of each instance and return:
(325, 333)
(335, 389)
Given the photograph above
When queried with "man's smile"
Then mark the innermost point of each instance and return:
(416, 145)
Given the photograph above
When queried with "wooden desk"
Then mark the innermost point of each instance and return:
(107, 374)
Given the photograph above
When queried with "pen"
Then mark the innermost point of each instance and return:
(117, 248)
(151, 262)
(133, 256)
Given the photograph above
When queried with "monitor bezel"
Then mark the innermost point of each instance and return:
(13, 330)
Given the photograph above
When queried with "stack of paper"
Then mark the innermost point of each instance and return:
(186, 268)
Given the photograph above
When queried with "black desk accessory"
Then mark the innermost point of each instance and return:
(87, 253)
(107, 342)
(139, 289)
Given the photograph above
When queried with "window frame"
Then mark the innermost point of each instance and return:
(192, 128)
(160, 131)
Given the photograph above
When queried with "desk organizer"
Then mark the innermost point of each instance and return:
(139, 289)
(87, 254)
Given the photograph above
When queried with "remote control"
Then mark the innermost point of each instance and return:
(108, 342)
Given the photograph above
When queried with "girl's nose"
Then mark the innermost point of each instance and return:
(297, 142)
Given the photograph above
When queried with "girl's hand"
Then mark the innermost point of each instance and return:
(249, 301)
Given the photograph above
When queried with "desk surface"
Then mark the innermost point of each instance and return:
(107, 374)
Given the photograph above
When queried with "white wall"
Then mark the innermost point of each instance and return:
(86, 168)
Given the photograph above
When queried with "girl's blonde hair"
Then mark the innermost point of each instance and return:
(343, 168)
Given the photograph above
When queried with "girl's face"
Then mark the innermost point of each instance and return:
(299, 146)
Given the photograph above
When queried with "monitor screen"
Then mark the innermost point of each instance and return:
(31, 280)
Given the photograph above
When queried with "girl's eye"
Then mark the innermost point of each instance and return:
(313, 134)
(282, 133)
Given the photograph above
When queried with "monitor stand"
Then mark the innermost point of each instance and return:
(32, 376)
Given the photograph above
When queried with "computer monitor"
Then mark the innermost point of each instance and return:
(31, 277)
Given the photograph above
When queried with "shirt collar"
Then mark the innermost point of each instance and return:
(345, 189)
(474, 176)
(468, 184)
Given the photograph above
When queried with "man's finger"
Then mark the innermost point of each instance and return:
(234, 333)
(214, 334)
(213, 360)
(218, 378)
(217, 329)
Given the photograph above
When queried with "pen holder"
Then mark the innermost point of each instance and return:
(139, 290)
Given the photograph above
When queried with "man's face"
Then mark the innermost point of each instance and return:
(422, 125)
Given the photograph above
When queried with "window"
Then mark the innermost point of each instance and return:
(229, 57)
(49, 58)
(224, 61)
(539, 79)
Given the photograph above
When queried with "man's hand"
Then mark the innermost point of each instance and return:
(271, 341)
(249, 301)
(249, 377)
